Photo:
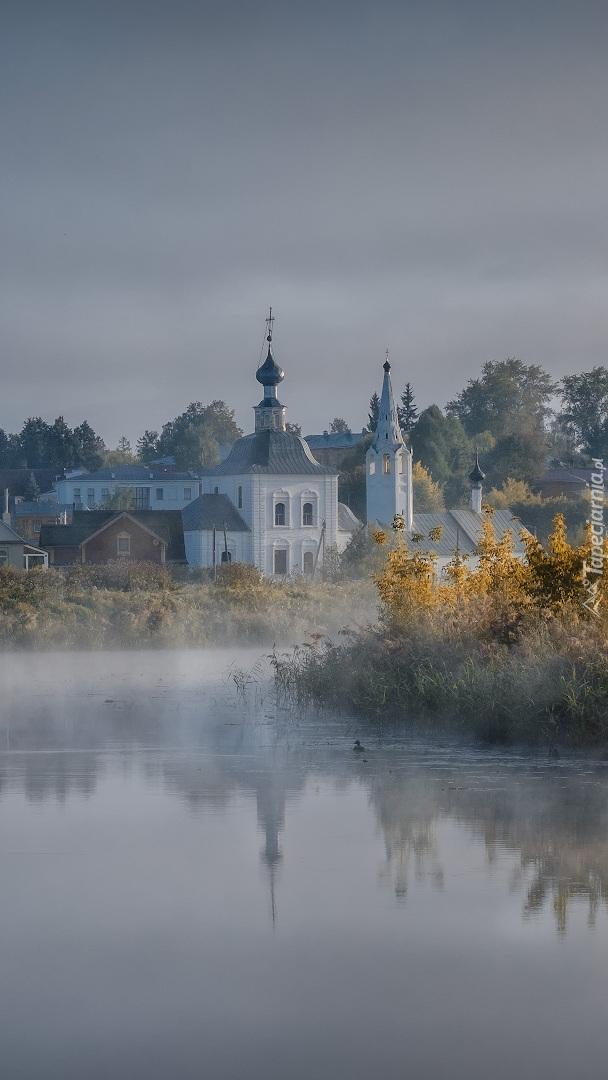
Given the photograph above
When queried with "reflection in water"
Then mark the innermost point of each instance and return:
(59, 739)
(194, 886)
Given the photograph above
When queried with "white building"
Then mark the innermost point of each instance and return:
(275, 506)
(389, 492)
(388, 461)
(155, 489)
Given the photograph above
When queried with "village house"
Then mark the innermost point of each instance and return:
(29, 516)
(154, 488)
(101, 536)
(15, 552)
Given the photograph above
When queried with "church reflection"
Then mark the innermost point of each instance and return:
(553, 818)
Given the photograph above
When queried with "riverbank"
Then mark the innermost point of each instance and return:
(132, 606)
(483, 670)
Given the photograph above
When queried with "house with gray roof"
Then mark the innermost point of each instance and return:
(154, 488)
(461, 530)
(14, 551)
(100, 536)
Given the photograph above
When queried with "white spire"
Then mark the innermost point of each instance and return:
(388, 433)
(388, 464)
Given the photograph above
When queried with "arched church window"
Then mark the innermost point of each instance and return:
(308, 562)
(307, 514)
(279, 519)
(280, 561)
(400, 463)
(386, 464)
(240, 497)
(372, 468)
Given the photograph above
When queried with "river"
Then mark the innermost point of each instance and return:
(195, 884)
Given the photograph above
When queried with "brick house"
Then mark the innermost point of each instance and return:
(29, 517)
(101, 536)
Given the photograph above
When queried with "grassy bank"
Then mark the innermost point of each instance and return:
(129, 605)
(482, 671)
(507, 651)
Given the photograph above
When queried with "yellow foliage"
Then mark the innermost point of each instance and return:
(512, 491)
(547, 579)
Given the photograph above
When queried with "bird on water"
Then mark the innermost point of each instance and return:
(358, 748)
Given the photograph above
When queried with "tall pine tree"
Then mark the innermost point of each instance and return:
(374, 412)
(407, 411)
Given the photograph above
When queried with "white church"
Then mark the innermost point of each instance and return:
(270, 503)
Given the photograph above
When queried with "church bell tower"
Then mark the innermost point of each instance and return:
(388, 463)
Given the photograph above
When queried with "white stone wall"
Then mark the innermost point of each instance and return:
(199, 547)
(260, 495)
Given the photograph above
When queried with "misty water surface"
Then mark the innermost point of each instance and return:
(195, 885)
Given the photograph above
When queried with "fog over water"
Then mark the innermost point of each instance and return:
(196, 884)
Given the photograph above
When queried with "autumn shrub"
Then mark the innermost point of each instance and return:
(506, 650)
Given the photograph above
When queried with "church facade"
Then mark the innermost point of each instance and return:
(270, 503)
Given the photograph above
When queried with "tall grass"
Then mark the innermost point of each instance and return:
(131, 605)
(481, 669)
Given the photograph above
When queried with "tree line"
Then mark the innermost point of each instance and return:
(506, 413)
(193, 439)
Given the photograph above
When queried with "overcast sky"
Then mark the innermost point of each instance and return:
(421, 175)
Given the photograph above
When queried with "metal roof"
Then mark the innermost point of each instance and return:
(132, 474)
(42, 507)
(335, 440)
(212, 511)
(347, 522)
(564, 475)
(8, 535)
(463, 529)
(270, 452)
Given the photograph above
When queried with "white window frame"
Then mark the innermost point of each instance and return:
(284, 498)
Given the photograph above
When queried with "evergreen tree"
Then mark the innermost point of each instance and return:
(33, 444)
(407, 412)
(293, 428)
(31, 491)
(61, 445)
(89, 448)
(374, 412)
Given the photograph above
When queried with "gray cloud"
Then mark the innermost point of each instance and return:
(426, 176)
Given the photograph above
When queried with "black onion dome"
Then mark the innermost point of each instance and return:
(386, 366)
(476, 475)
(269, 374)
